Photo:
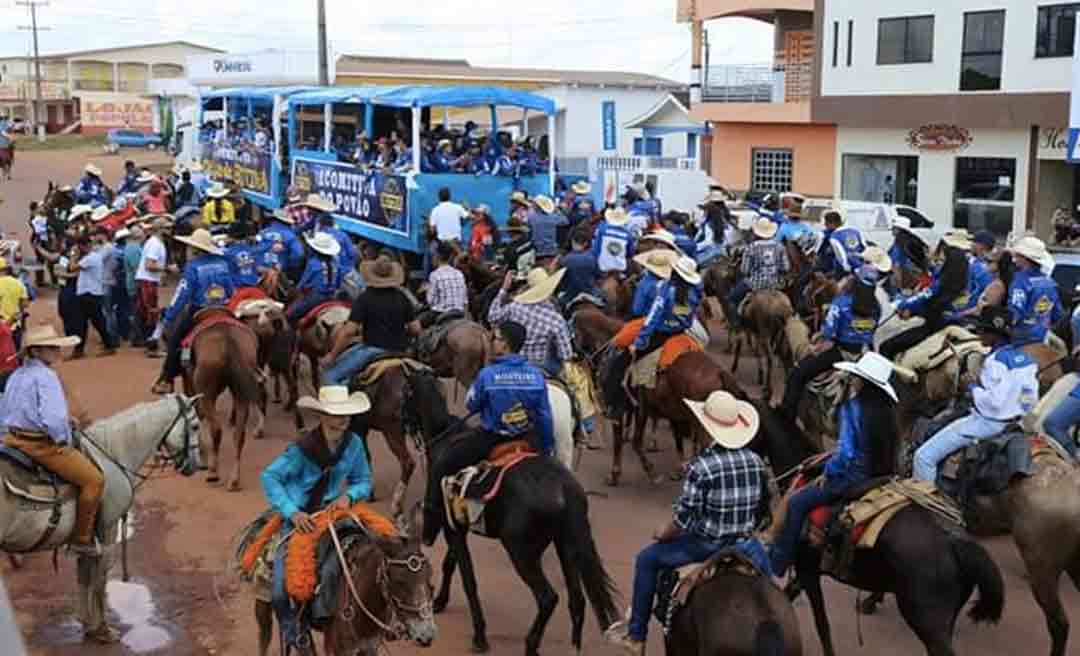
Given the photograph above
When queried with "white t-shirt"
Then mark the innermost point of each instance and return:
(153, 249)
(446, 219)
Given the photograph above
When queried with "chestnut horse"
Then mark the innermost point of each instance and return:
(462, 353)
(767, 313)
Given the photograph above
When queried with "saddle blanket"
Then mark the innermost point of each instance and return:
(251, 302)
(644, 371)
(208, 319)
(863, 519)
(467, 493)
(316, 311)
(940, 347)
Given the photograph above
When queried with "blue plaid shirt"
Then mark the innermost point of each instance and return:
(722, 494)
(765, 263)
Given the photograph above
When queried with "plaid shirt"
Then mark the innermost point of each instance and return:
(543, 325)
(722, 494)
(764, 263)
(447, 291)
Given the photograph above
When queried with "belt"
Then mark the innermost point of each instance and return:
(1007, 420)
(28, 434)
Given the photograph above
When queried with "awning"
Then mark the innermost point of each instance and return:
(426, 96)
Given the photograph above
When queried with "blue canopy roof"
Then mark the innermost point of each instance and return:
(265, 94)
(426, 96)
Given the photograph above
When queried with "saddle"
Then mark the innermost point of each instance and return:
(252, 302)
(433, 337)
(646, 369)
(936, 350)
(327, 315)
(467, 493)
(207, 318)
(373, 370)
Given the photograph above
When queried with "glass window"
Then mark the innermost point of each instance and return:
(980, 63)
(850, 38)
(985, 187)
(835, 42)
(1055, 29)
(908, 40)
(771, 170)
(880, 179)
(648, 146)
(691, 146)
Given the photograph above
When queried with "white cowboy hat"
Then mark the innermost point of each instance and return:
(79, 210)
(731, 423)
(765, 228)
(662, 236)
(902, 223)
(660, 263)
(336, 400)
(746, 222)
(581, 187)
(687, 269)
(1033, 249)
(958, 239)
(283, 216)
(443, 142)
(713, 197)
(217, 190)
(317, 202)
(145, 176)
(616, 216)
(92, 169)
(46, 335)
(122, 233)
(877, 258)
(541, 286)
(872, 367)
(64, 188)
(546, 205)
(202, 240)
(100, 212)
(324, 243)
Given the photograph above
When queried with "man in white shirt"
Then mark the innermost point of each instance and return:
(148, 278)
(446, 218)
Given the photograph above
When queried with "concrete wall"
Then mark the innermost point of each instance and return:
(1055, 189)
(583, 125)
(813, 146)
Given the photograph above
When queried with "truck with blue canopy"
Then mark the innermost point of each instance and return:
(391, 205)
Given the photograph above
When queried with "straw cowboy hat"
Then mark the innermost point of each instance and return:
(662, 236)
(581, 187)
(729, 422)
(79, 210)
(765, 228)
(958, 239)
(145, 176)
(46, 335)
(324, 243)
(877, 258)
(383, 272)
(713, 197)
(546, 205)
(122, 233)
(335, 400)
(317, 202)
(687, 269)
(281, 215)
(871, 367)
(1033, 249)
(541, 286)
(100, 213)
(92, 169)
(202, 240)
(660, 263)
(217, 190)
(519, 197)
(616, 216)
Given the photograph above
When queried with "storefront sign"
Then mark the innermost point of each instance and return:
(939, 137)
(271, 67)
(372, 197)
(242, 162)
(1071, 151)
(136, 114)
(608, 120)
(1053, 143)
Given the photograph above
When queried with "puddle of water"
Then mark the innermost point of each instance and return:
(134, 608)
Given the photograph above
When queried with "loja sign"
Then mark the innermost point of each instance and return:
(118, 114)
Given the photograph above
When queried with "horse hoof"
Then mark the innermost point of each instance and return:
(233, 486)
(439, 605)
(213, 478)
(612, 480)
(480, 646)
(868, 607)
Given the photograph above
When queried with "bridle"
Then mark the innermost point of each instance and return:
(410, 420)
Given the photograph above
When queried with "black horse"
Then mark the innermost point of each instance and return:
(931, 573)
(540, 503)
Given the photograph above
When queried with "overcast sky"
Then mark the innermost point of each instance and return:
(634, 35)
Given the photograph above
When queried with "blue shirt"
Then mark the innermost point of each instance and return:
(348, 256)
(792, 231)
(644, 294)
(127, 183)
(1034, 306)
(243, 263)
(667, 316)
(34, 400)
(843, 327)
(132, 256)
(91, 191)
(850, 463)
(207, 282)
(685, 242)
(613, 247)
(544, 232)
(92, 273)
(847, 245)
(512, 398)
(979, 278)
(282, 242)
(917, 302)
(581, 274)
(322, 276)
(899, 258)
(291, 477)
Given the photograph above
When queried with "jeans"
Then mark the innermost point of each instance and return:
(681, 551)
(279, 596)
(1060, 421)
(92, 313)
(122, 311)
(171, 368)
(351, 362)
(735, 299)
(953, 437)
(803, 373)
(67, 304)
(109, 311)
(305, 304)
(782, 552)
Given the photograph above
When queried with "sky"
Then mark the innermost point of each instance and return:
(634, 35)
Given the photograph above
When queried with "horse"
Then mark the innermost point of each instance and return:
(461, 353)
(225, 356)
(767, 314)
(618, 293)
(820, 291)
(316, 339)
(277, 342)
(540, 504)
(386, 596)
(7, 161)
(120, 445)
(931, 573)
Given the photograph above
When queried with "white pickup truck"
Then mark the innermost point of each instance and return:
(874, 220)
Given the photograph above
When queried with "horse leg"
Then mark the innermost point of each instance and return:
(264, 617)
(396, 442)
(870, 604)
(638, 444)
(442, 599)
(212, 426)
(260, 407)
(679, 432)
(526, 559)
(574, 590)
(618, 434)
(1044, 586)
(738, 352)
(931, 622)
(313, 362)
(243, 409)
(458, 541)
(809, 576)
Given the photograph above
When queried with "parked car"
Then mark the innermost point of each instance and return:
(117, 139)
(874, 220)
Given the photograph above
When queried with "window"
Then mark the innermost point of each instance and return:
(648, 146)
(850, 37)
(835, 42)
(770, 170)
(1054, 30)
(908, 40)
(980, 63)
(984, 194)
(880, 179)
(691, 146)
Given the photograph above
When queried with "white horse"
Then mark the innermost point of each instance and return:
(34, 518)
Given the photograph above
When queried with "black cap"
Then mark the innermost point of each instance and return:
(994, 319)
(513, 333)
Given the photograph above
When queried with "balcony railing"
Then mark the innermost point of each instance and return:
(758, 83)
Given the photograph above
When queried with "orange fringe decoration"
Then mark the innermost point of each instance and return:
(628, 333)
(676, 346)
(301, 575)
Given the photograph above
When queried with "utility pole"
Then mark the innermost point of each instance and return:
(324, 69)
(38, 113)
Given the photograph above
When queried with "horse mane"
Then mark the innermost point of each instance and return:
(780, 440)
(426, 386)
(123, 426)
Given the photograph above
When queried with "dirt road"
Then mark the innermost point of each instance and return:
(182, 603)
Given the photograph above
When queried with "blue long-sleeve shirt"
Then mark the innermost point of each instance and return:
(34, 400)
(207, 282)
(667, 316)
(613, 247)
(685, 242)
(91, 191)
(279, 240)
(843, 327)
(321, 276)
(847, 246)
(243, 264)
(545, 232)
(1034, 306)
(348, 256)
(512, 398)
(127, 183)
(850, 463)
(291, 478)
(644, 294)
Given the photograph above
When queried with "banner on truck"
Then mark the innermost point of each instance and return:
(371, 197)
(242, 161)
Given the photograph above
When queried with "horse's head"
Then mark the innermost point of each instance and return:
(424, 413)
(408, 583)
(180, 441)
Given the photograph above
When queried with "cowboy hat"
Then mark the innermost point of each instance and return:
(323, 243)
(46, 335)
(99, 213)
(79, 210)
(687, 269)
(443, 142)
(200, 239)
(713, 197)
(336, 400)
(546, 205)
(317, 202)
(581, 187)
(729, 422)
(122, 233)
(92, 169)
(519, 197)
(145, 176)
(293, 194)
(877, 258)
(871, 367)
(383, 272)
(217, 190)
(541, 286)
(902, 223)
(958, 239)
(662, 236)
(765, 228)
(1033, 249)
(659, 263)
(282, 216)
(616, 216)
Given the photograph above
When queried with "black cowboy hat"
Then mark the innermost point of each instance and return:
(994, 319)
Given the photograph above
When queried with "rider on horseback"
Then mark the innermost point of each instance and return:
(724, 497)
(91, 190)
(447, 292)
(793, 229)
(613, 244)
(243, 256)
(278, 242)
(908, 251)
(1034, 304)
(764, 265)
(518, 254)
(582, 271)
(547, 338)
(206, 283)
(511, 397)
(321, 279)
(841, 248)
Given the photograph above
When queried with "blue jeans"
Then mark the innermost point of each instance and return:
(738, 293)
(683, 550)
(782, 552)
(957, 435)
(1061, 419)
(279, 597)
(305, 304)
(351, 361)
(122, 311)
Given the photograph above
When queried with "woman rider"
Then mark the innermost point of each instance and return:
(322, 276)
(218, 212)
(948, 292)
(710, 237)
(865, 449)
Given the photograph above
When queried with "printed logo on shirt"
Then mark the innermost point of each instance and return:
(681, 310)
(215, 293)
(516, 417)
(851, 242)
(615, 247)
(1043, 305)
(863, 325)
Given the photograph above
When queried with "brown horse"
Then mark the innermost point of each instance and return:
(225, 357)
(462, 353)
(316, 339)
(618, 292)
(767, 315)
(7, 161)
(820, 291)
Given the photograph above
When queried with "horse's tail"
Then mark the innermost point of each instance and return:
(979, 569)
(243, 377)
(581, 549)
(769, 639)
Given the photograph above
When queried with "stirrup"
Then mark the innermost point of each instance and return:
(162, 388)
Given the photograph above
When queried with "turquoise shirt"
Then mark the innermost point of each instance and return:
(289, 480)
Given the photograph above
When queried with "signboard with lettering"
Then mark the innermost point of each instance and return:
(372, 197)
(266, 67)
(1072, 152)
(137, 114)
(240, 160)
(608, 122)
(939, 137)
